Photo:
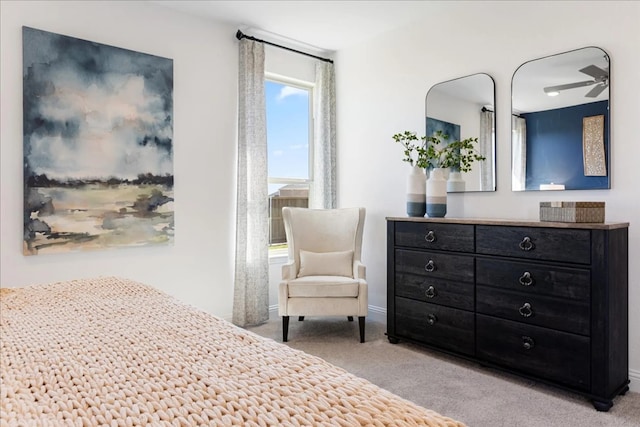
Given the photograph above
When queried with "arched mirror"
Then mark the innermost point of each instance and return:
(464, 108)
(560, 122)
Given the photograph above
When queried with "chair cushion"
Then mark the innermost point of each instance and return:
(324, 286)
(326, 264)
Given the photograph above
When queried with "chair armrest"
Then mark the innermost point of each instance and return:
(359, 270)
(289, 270)
(283, 295)
(363, 298)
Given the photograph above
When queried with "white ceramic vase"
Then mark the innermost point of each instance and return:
(416, 190)
(455, 183)
(437, 193)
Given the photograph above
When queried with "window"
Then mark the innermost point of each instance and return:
(289, 149)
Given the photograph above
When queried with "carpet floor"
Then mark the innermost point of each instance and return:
(463, 390)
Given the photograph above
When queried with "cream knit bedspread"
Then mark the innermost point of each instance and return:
(114, 352)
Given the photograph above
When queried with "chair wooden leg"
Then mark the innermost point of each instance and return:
(361, 324)
(300, 318)
(350, 318)
(285, 328)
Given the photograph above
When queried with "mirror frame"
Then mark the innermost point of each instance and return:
(465, 86)
(566, 129)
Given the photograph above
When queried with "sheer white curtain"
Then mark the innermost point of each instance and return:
(485, 147)
(251, 288)
(518, 153)
(322, 194)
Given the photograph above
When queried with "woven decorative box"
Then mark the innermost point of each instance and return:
(572, 211)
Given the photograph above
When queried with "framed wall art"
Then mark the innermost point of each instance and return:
(98, 145)
(450, 129)
(593, 146)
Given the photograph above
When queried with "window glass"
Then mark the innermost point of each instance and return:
(289, 148)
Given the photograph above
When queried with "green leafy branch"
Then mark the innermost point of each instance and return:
(433, 152)
(456, 154)
(414, 153)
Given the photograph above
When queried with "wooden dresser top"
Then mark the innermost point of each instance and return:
(515, 223)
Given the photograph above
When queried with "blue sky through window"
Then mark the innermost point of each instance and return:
(287, 131)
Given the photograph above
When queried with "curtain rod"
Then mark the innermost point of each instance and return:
(240, 35)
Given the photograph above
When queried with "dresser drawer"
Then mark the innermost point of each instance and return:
(435, 265)
(557, 356)
(429, 235)
(444, 327)
(556, 313)
(436, 291)
(562, 245)
(573, 283)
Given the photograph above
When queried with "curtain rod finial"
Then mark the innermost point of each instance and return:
(239, 35)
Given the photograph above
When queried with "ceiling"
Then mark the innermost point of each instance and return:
(532, 77)
(320, 26)
(478, 89)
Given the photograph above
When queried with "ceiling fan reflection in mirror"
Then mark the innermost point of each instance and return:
(600, 80)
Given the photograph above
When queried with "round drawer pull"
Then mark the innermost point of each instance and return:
(526, 310)
(430, 292)
(526, 244)
(430, 237)
(528, 343)
(431, 266)
(432, 319)
(526, 279)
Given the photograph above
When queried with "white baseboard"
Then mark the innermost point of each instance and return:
(378, 314)
(634, 376)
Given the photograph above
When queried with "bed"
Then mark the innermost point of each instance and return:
(110, 351)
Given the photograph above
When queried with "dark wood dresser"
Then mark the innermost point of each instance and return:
(547, 301)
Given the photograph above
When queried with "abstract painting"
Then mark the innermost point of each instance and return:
(98, 145)
(593, 146)
(450, 129)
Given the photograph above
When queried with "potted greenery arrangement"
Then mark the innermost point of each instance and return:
(414, 154)
(429, 152)
(433, 154)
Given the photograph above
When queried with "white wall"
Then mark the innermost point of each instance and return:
(464, 113)
(198, 268)
(382, 86)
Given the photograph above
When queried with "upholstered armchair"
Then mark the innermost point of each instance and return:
(324, 275)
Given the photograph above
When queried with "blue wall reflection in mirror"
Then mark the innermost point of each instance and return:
(555, 147)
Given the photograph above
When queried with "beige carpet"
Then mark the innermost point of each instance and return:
(465, 391)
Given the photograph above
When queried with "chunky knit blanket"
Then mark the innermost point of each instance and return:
(113, 352)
